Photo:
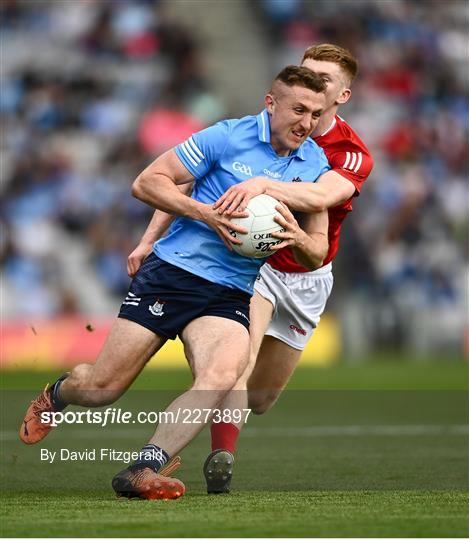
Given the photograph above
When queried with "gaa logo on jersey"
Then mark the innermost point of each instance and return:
(241, 167)
(157, 308)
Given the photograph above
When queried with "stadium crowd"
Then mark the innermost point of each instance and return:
(93, 91)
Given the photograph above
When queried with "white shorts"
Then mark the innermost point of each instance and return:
(299, 300)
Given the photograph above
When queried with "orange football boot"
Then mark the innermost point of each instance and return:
(145, 483)
(32, 430)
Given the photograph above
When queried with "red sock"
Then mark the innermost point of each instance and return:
(224, 435)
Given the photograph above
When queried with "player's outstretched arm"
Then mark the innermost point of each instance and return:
(330, 190)
(158, 184)
(158, 225)
(309, 242)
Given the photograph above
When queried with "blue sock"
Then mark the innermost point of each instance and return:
(151, 456)
(57, 402)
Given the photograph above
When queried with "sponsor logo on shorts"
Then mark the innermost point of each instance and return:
(241, 314)
(157, 308)
(297, 179)
(295, 328)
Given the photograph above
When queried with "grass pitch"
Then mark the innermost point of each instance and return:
(372, 450)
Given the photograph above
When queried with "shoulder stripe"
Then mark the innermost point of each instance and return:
(353, 161)
(347, 159)
(188, 155)
(191, 152)
(194, 147)
(359, 162)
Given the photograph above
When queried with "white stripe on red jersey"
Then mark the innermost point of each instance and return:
(348, 156)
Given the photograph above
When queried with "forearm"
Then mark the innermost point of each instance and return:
(302, 197)
(160, 184)
(160, 192)
(330, 190)
(311, 250)
(312, 242)
(158, 225)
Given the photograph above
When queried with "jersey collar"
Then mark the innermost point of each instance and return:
(263, 131)
(333, 123)
(263, 126)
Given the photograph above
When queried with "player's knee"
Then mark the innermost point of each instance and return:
(217, 380)
(259, 407)
(80, 376)
(261, 401)
(94, 389)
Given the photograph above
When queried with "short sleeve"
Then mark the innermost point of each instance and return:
(324, 166)
(201, 150)
(354, 164)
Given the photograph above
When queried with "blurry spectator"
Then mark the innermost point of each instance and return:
(118, 83)
(163, 128)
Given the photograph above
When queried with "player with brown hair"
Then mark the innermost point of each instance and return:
(289, 299)
(191, 285)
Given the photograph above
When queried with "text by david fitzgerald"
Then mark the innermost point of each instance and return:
(93, 454)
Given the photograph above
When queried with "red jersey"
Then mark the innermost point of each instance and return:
(349, 157)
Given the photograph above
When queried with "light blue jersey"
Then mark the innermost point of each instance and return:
(218, 157)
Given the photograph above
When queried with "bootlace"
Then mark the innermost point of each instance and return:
(170, 467)
(141, 475)
(42, 401)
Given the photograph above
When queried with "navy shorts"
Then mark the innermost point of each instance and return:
(165, 299)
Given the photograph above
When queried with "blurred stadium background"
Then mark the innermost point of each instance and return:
(93, 90)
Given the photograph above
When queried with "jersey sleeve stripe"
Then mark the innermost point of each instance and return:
(191, 152)
(347, 159)
(195, 148)
(352, 163)
(188, 155)
(360, 158)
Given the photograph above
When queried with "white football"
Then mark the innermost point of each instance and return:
(260, 224)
